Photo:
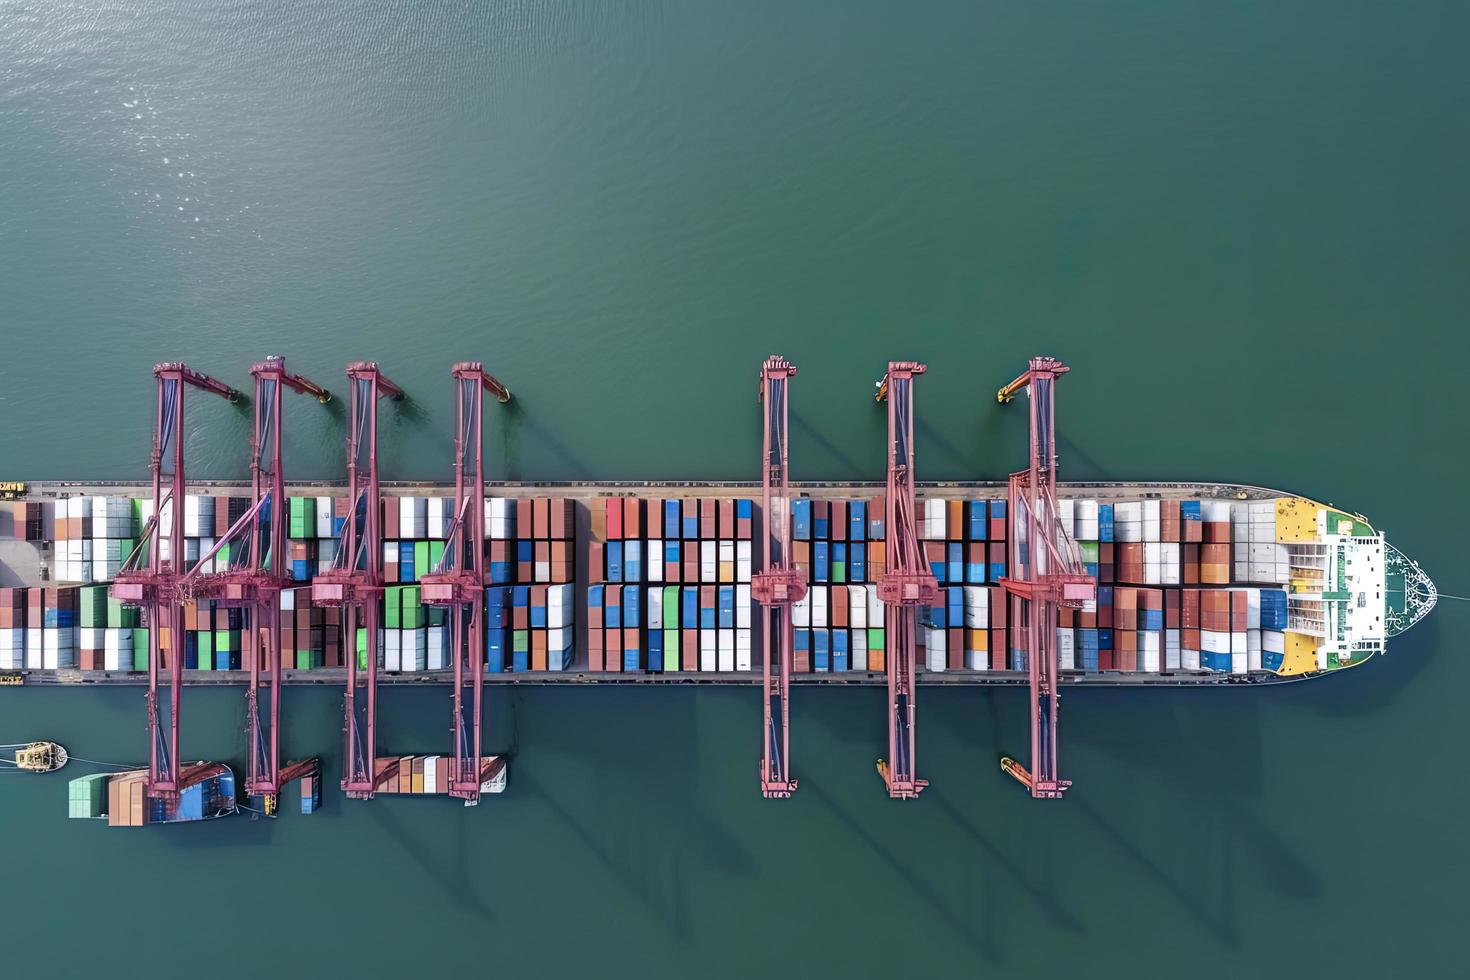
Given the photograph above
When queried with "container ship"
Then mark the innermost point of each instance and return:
(1196, 583)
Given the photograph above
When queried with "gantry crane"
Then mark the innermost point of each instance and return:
(458, 583)
(355, 580)
(778, 585)
(906, 582)
(254, 580)
(155, 588)
(1046, 573)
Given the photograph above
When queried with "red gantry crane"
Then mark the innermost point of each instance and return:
(355, 580)
(254, 579)
(155, 589)
(906, 582)
(458, 583)
(1046, 573)
(778, 585)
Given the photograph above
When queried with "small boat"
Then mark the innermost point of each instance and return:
(35, 757)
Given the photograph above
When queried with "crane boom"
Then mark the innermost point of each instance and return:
(458, 583)
(256, 574)
(906, 582)
(1046, 573)
(155, 588)
(355, 580)
(778, 585)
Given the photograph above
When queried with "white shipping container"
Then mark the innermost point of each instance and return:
(438, 648)
(1171, 650)
(933, 658)
(1149, 651)
(801, 612)
(393, 650)
(743, 562)
(857, 650)
(653, 567)
(857, 607)
(742, 649)
(440, 509)
(709, 564)
(977, 607)
(415, 649)
(1238, 663)
(35, 648)
(742, 607)
(1067, 649)
(726, 648)
(819, 597)
(1253, 649)
(655, 609)
(707, 656)
(875, 608)
(431, 775)
(1189, 659)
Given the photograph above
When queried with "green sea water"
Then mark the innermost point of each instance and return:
(1245, 226)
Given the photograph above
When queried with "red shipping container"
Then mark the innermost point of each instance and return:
(706, 517)
(594, 647)
(997, 529)
(596, 562)
(632, 518)
(1000, 605)
(955, 520)
(614, 518)
(838, 520)
(563, 519)
(524, 520)
(689, 649)
(1171, 609)
(726, 511)
(956, 658)
(838, 605)
(999, 650)
(612, 649)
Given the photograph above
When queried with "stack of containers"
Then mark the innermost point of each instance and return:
(310, 635)
(1190, 657)
(301, 528)
(837, 542)
(26, 520)
(670, 584)
(1150, 630)
(1224, 617)
(500, 533)
(12, 629)
(530, 627)
(1273, 628)
(1258, 557)
(55, 641)
(1215, 555)
(212, 638)
(73, 540)
(112, 535)
(839, 625)
(91, 626)
(838, 628)
(544, 544)
(406, 629)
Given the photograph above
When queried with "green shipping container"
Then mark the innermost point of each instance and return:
(226, 640)
(362, 649)
(875, 639)
(411, 616)
(839, 572)
(436, 555)
(421, 559)
(121, 617)
(86, 796)
(671, 650)
(140, 649)
(392, 606)
(92, 606)
(520, 641)
(205, 650)
(1089, 552)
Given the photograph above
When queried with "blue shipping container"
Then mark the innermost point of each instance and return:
(801, 519)
(839, 649)
(671, 518)
(857, 520)
(614, 554)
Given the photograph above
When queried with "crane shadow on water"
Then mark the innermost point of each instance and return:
(655, 873)
(515, 424)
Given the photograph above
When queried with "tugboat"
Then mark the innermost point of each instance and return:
(35, 757)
